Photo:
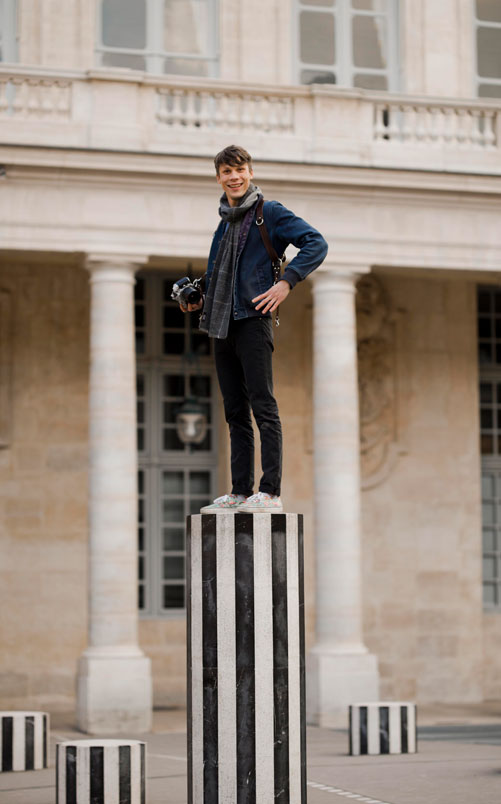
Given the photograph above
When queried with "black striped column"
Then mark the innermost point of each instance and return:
(101, 772)
(246, 678)
(383, 728)
(23, 740)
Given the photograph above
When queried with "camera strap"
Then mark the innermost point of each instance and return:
(276, 261)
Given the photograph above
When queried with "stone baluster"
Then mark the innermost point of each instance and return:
(114, 676)
(341, 670)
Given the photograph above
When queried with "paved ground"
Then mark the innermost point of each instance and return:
(459, 762)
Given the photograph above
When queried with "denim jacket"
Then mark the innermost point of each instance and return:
(253, 271)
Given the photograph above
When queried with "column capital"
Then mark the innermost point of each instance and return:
(338, 276)
(113, 267)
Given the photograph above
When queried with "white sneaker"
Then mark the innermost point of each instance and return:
(228, 502)
(261, 502)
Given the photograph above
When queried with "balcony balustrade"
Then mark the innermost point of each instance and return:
(123, 110)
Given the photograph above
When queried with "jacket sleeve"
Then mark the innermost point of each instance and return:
(312, 246)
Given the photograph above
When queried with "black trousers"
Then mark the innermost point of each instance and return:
(244, 370)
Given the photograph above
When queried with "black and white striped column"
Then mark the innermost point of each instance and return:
(101, 772)
(383, 728)
(246, 677)
(23, 741)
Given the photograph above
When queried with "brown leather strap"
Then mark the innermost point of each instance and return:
(276, 261)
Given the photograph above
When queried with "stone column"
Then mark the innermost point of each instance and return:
(340, 669)
(114, 676)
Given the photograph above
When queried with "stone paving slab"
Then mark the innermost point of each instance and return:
(463, 768)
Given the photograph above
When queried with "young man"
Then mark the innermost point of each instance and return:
(240, 299)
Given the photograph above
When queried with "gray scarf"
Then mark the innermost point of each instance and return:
(215, 319)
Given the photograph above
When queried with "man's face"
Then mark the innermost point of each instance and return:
(235, 180)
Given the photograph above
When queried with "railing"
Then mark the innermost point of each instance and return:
(125, 110)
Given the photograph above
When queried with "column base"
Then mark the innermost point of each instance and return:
(336, 680)
(114, 693)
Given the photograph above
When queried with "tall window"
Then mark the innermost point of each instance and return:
(352, 43)
(488, 48)
(175, 479)
(159, 36)
(8, 41)
(489, 340)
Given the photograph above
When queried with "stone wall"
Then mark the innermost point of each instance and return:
(422, 528)
(43, 486)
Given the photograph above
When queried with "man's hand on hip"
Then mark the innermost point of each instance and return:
(274, 296)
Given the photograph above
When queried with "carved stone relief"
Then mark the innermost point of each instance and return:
(376, 344)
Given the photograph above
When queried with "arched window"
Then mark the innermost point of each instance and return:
(8, 30)
(352, 43)
(159, 36)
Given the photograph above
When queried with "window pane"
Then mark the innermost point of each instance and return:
(486, 445)
(200, 386)
(489, 10)
(173, 343)
(489, 52)
(172, 482)
(123, 60)
(489, 568)
(170, 411)
(186, 67)
(484, 327)
(317, 77)
(369, 42)
(174, 385)
(197, 504)
(173, 317)
(484, 302)
(173, 538)
(200, 344)
(173, 597)
(369, 5)
(199, 483)
(486, 419)
(172, 511)
(370, 81)
(488, 486)
(172, 441)
(317, 37)
(173, 568)
(140, 597)
(124, 23)
(489, 91)
(490, 596)
(489, 540)
(488, 513)
(186, 26)
(484, 353)
(485, 392)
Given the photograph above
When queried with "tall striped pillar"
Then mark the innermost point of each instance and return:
(246, 677)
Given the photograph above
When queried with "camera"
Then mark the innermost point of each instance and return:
(186, 292)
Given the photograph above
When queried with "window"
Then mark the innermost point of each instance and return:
(488, 33)
(352, 43)
(173, 362)
(8, 43)
(159, 36)
(489, 344)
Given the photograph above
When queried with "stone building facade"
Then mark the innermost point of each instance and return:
(380, 123)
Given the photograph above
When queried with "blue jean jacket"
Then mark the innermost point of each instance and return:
(254, 272)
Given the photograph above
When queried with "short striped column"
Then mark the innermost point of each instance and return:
(101, 772)
(246, 677)
(23, 740)
(383, 728)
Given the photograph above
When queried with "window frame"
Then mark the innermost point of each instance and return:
(154, 459)
(478, 79)
(8, 31)
(344, 67)
(153, 52)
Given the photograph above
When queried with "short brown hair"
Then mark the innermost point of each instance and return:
(232, 155)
